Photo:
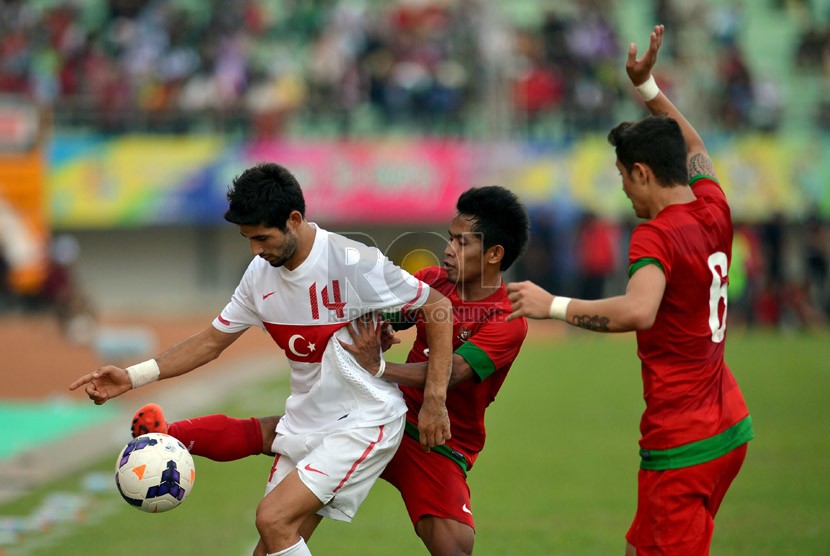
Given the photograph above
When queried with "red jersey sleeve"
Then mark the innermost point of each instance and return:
(493, 346)
(648, 245)
(708, 188)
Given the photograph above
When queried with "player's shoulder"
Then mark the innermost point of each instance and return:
(708, 188)
(343, 242)
(505, 308)
(432, 275)
(351, 251)
(513, 331)
(497, 308)
(658, 226)
(652, 237)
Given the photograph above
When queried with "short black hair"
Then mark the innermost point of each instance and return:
(656, 141)
(265, 194)
(499, 217)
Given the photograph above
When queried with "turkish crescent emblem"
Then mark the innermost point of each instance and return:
(291, 347)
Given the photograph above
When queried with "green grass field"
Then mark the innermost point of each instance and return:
(558, 475)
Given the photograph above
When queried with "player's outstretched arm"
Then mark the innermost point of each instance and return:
(433, 419)
(640, 73)
(415, 374)
(636, 310)
(107, 382)
(110, 381)
(368, 339)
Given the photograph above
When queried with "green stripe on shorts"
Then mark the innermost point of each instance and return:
(701, 451)
(412, 430)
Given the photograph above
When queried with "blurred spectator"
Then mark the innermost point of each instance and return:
(823, 115)
(726, 18)
(666, 13)
(745, 275)
(811, 47)
(597, 88)
(539, 260)
(817, 261)
(61, 294)
(737, 94)
(538, 88)
(6, 292)
(799, 308)
(768, 106)
(771, 297)
(597, 240)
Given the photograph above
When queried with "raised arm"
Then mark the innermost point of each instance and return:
(640, 73)
(110, 381)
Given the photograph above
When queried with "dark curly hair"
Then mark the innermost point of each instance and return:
(499, 217)
(265, 194)
(656, 141)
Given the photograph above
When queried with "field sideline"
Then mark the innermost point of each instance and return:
(557, 476)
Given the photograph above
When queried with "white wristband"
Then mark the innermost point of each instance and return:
(648, 89)
(143, 373)
(381, 368)
(559, 307)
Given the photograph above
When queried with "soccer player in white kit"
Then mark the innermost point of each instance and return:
(304, 285)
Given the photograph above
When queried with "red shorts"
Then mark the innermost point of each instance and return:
(676, 508)
(429, 483)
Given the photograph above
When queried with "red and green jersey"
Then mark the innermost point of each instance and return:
(694, 407)
(487, 343)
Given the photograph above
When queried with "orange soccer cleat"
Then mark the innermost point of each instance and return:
(149, 418)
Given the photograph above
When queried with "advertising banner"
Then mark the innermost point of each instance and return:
(161, 180)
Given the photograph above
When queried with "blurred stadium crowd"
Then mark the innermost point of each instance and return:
(455, 68)
(258, 66)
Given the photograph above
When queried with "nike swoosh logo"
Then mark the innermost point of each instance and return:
(309, 468)
(267, 295)
(464, 508)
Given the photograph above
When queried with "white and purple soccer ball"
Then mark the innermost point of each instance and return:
(154, 472)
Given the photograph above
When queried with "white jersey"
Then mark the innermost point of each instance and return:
(304, 311)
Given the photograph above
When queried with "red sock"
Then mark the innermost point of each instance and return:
(219, 437)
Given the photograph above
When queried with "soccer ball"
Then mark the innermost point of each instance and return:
(154, 472)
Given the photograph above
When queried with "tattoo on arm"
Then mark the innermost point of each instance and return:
(701, 164)
(596, 323)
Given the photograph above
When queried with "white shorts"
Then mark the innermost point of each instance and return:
(339, 467)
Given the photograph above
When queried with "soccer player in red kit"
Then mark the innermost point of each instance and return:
(486, 236)
(696, 425)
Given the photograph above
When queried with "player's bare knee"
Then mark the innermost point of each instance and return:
(263, 521)
(271, 519)
(446, 537)
(449, 547)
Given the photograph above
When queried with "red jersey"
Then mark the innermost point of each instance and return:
(487, 342)
(689, 391)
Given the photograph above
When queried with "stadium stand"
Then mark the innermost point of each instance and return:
(444, 67)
